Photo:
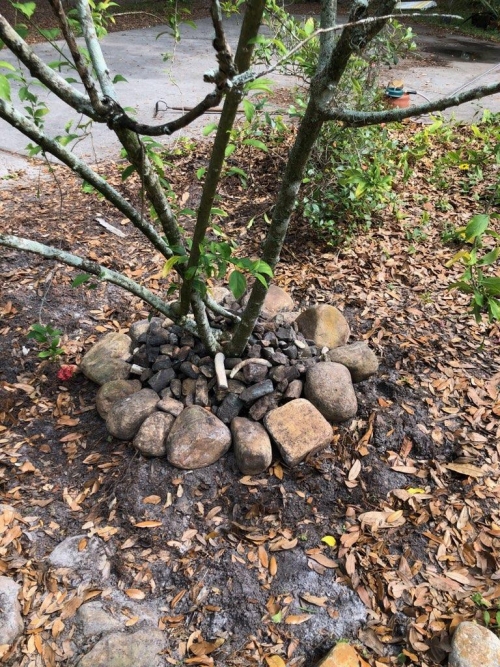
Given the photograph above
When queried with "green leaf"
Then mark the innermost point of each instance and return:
(494, 308)
(218, 211)
(7, 65)
(80, 279)
(491, 286)
(477, 226)
(230, 148)
(127, 172)
(262, 267)
(249, 110)
(119, 78)
(201, 172)
(237, 284)
(26, 8)
(256, 143)
(309, 26)
(171, 262)
(490, 257)
(208, 129)
(260, 85)
(4, 88)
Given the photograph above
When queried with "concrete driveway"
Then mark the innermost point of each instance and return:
(177, 80)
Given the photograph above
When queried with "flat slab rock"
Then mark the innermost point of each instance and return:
(325, 325)
(108, 359)
(473, 645)
(197, 439)
(11, 621)
(140, 649)
(298, 429)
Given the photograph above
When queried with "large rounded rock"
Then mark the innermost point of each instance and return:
(151, 439)
(11, 621)
(277, 301)
(358, 358)
(125, 416)
(298, 429)
(474, 646)
(329, 388)
(197, 439)
(114, 391)
(252, 446)
(107, 359)
(140, 649)
(325, 325)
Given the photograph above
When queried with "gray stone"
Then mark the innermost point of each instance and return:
(85, 557)
(276, 301)
(94, 620)
(294, 389)
(298, 429)
(107, 359)
(161, 379)
(162, 362)
(473, 645)
(264, 405)
(126, 416)
(113, 391)
(252, 446)
(325, 325)
(329, 388)
(358, 358)
(189, 370)
(11, 621)
(230, 408)
(138, 329)
(151, 437)
(201, 393)
(197, 439)
(176, 387)
(171, 406)
(254, 373)
(140, 649)
(280, 373)
(255, 391)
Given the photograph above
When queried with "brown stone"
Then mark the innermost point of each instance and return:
(294, 389)
(107, 359)
(152, 435)
(114, 391)
(358, 358)
(473, 645)
(342, 655)
(197, 439)
(252, 446)
(171, 406)
(298, 429)
(276, 301)
(325, 325)
(125, 416)
(329, 388)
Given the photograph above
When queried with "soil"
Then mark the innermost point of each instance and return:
(433, 403)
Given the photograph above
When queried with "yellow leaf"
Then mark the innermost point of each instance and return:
(412, 491)
(135, 594)
(275, 661)
(148, 524)
(330, 540)
(273, 566)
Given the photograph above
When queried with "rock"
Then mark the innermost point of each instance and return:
(276, 301)
(161, 379)
(255, 391)
(152, 435)
(219, 294)
(140, 649)
(197, 439)
(11, 621)
(138, 329)
(473, 645)
(325, 325)
(254, 373)
(252, 446)
(329, 388)
(85, 557)
(171, 406)
(113, 391)
(298, 429)
(280, 373)
(294, 389)
(189, 370)
(201, 393)
(161, 363)
(95, 621)
(230, 408)
(264, 405)
(358, 358)
(107, 359)
(126, 416)
(342, 655)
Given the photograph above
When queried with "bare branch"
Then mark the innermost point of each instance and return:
(39, 70)
(363, 118)
(93, 268)
(29, 129)
(79, 61)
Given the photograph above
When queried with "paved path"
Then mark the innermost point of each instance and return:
(137, 55)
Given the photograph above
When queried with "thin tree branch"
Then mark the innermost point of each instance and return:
(363, 118)
(205, 331)
(328, 20)
(217, 309)
(39, 70)
(93, 268)
(29, 129)
(81, 67)
(94, 48)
